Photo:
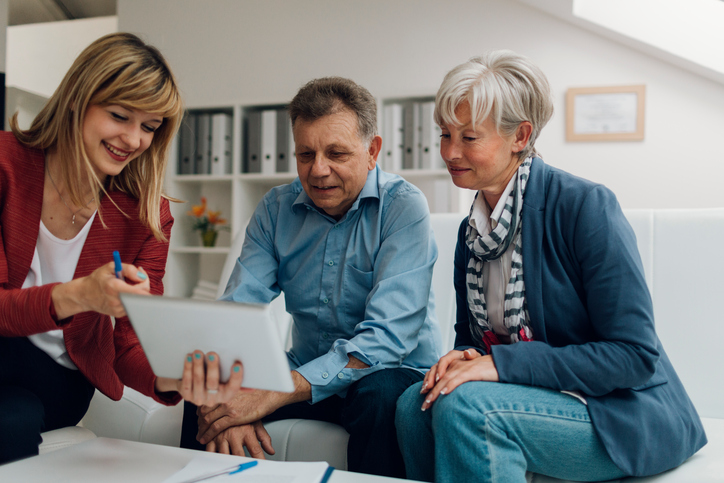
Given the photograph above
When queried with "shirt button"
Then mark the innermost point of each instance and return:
(331, 263)
(326, 301)
(340, 375)
(325, 375)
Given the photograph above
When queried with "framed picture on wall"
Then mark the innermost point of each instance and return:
(614, 113)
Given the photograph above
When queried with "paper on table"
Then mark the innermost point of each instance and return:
(265, 472)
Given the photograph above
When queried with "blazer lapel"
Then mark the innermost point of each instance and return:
(532, 233)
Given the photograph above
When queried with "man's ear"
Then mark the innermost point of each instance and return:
(374, 151)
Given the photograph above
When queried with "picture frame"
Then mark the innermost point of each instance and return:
(613, 113)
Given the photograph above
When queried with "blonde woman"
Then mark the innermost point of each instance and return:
(86, 180)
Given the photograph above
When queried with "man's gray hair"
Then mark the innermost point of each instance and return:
(501, 85)
(329, 95)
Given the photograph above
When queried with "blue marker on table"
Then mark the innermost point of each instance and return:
(119, 267)
(229, 471)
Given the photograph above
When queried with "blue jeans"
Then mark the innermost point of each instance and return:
(494, 432)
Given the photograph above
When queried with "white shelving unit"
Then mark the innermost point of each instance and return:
(237, 194)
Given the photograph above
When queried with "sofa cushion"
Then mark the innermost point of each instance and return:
(60, 438)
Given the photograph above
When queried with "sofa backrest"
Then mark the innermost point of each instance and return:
(684, 272)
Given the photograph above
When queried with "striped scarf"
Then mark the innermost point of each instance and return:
(491, 247)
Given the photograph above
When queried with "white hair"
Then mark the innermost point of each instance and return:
(501, 85)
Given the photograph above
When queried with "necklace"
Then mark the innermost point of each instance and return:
(72, 220)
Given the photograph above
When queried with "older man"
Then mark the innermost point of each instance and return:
(352, 249)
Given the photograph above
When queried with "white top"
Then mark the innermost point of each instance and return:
(55, 260)
(496, 273)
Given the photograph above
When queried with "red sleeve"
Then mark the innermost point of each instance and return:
(131, 363)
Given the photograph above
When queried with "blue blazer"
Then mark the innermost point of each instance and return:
(592, 320)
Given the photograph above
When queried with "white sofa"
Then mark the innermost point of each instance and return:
(683, 269)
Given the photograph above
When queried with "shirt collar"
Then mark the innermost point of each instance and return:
(481, 218)
(369, 190)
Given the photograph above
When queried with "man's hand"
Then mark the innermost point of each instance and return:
(248, 407)
(234, 439)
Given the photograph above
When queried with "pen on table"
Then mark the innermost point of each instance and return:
(229, 471)
(119, 267)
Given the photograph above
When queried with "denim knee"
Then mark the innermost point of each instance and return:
(408, 406)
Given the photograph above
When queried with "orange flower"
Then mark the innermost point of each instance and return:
(214, 218)
(198, 210)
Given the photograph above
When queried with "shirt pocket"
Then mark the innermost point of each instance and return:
(357, 285)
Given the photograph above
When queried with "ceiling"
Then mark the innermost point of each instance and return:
(22, 12)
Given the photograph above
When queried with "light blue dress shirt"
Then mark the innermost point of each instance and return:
(358, 286)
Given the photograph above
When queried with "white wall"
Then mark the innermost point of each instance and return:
(3, 28)
(246, 51)
(39, 55)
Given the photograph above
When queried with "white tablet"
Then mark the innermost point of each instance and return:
(170, 328)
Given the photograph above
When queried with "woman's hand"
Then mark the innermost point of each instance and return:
(455, 368)
(98, 292)
(200, 384)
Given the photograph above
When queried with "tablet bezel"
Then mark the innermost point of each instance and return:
(169, 328)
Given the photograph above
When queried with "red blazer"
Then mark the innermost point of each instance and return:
(108, 358)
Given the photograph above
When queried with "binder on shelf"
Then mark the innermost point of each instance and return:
(187, 145)
(286, 162)
(220, 159)
(268, 141)
(253, 155)
(430, 138)
(392, 141)
(411, 156)
(203, 133)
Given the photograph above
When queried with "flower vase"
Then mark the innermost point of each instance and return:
(208, 238)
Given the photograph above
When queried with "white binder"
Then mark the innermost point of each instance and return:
(430, 138)
(269, 141)
(411, 156)
(392, 141)
(221, 143)
(203, 133)
(187, 144)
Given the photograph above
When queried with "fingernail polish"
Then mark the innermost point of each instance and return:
(198, 356)
(424, 386)
(188, 359)
(141, 275)
(237, 368)
(443, 392)
(211, 357)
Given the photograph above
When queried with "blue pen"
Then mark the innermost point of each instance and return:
(229, 471)
(119, 267)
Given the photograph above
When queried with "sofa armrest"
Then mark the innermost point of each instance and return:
(135, 418)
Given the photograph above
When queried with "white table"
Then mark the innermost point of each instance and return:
(114, 460)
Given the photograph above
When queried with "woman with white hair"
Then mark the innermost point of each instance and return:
(557, 368)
